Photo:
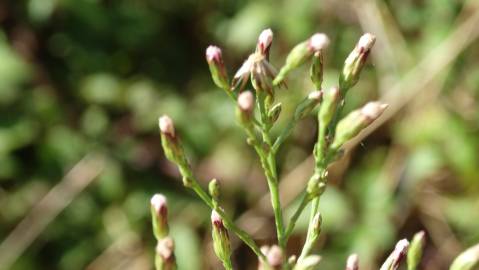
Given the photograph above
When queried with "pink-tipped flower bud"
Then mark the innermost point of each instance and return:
(165, 257)
(308, 104)
(300, 53)
(394, 260)
(159, 212)
(356, 121)
(275, 257)
(353, 262)
(166, 126)
(171, 142)
(318, 42)
(245, 108)
(355, 62)
(219, 75)
(221, 240)
(264, 42)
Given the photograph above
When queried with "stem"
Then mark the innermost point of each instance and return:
(268, 161)
(229, 224)
(284, 134)
(292, 223)
(227, 264)
(310, 237)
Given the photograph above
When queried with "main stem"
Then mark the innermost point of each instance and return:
(269, 165)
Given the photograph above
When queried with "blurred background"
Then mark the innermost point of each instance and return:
(83, 82)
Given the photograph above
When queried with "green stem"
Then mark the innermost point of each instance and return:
(229, 224)
(292, 223)
(268, 161)
(227, 264)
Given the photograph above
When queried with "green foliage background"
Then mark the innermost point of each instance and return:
(90, 76)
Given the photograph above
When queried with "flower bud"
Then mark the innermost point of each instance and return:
(352, 263)
(274, 113)
(242, 75)
(467, 260)
(165, 258)
(316, 71)
(357, 120)
(264, 42)
(159, 214)
(315, 187)
(170, 141)
(217, 67)
(300, 53)
(308, 104)
(221, 240)
(394, 260)
(244, 111)
(275, 257)
(308, 263)
(331, 101)
(414, 254)
(355, 62)
(214, 190)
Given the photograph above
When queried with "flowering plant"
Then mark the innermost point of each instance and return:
(257, 113)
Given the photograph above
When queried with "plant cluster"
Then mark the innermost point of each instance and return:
(257, 113)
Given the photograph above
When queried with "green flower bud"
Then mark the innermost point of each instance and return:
(331, 100)
(214, 190)
(159, 214)
(355, 62)
(165, 257)
(394, 260)
(308, 263)
(315, 187)
(316, 71)
(302, 52)
(308, 104)
(414, 254)
(170, 142)
(244, 111)
(467, 260)
(356, 121)
(221, 239)
(353, 262)
(274, 113)
(214, 58)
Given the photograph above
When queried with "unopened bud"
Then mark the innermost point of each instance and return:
(245, 108)
(166, 126)
(467, 260)
(414, 254)
(306, 106)
(318, 42)
(316, 71)
(165, 258)
(214, 190)
(300, 53)
(264, 42)
(275, 257)
(221, 240)
(170, 141)
(355, 62)
(214, 58)
(308, 263)
(353, 262)
(315, 186)
(357, 120)
(274, 113)
(159, 213)
(331, 101)
(394, 260)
